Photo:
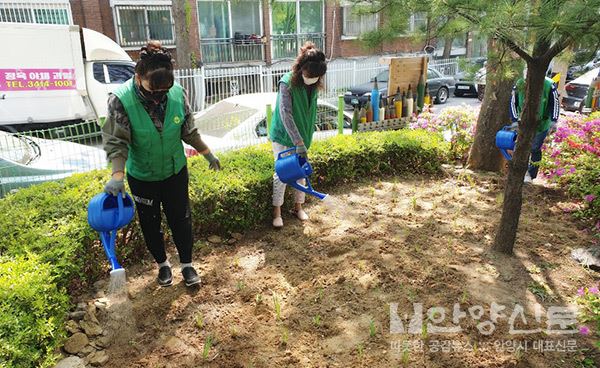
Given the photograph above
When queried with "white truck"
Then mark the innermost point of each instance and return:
(54, 75)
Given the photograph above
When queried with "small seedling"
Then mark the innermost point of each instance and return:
(285, 335)
(258, 298)
(319, 295)
(277, 306)
(317, 320)
(534, 269)
(424, 331)
(360, 350)
(240, 285)
(413, 203)
(207, 345)
(372, 328)
(405, 356)
(199, 320)
(540, 290)
(372, 190)
(464, 297)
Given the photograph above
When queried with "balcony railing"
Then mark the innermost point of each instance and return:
(40, 12)
(286, 46)
(228, 50)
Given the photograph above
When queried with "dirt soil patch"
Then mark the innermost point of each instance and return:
(326, 293)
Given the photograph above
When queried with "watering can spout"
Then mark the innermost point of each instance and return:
(308, 190)
(290, 168)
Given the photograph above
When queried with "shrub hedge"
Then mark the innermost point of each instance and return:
(44, 227)
(32, 310)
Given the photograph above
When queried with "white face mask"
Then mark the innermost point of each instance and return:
(310, 81)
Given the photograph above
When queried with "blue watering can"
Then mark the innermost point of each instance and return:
(290, 168)
(107, 214)
(505, 141)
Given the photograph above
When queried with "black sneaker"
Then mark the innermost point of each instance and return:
(190, 276)
(165, 276)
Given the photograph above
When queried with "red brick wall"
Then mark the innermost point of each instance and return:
(106, 15)
(353, 47)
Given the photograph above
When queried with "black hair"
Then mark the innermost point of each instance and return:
(156, 66)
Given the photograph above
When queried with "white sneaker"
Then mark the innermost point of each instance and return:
(278, 222)
(527, 179)
(302, 216)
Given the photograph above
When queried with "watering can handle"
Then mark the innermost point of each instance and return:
(286, 151)
(121, 209)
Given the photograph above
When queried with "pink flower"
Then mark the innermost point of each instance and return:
(594, 290)
(572, 170)
(589, 198)
(581, 291)
(584, 330)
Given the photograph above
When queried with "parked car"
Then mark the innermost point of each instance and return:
(28, 160)
(439, 88)
(577, 90)
(466, 84)
(241, 121)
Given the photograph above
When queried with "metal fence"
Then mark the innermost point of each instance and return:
(207, 86)
(33, 157)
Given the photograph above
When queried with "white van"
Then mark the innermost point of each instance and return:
(55, 75)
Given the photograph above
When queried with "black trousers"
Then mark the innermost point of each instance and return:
(172, 194)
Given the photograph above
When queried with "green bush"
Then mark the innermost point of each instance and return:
(32, 310)
(50, 220)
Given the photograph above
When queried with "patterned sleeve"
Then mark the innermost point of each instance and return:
(554, 104)
(116, 133)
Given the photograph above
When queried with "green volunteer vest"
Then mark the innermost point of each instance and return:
(304, 112)
(543, 116)
(154, 155)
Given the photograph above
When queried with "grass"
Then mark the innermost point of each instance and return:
(540, 290)
(199, 320)
(285, 336)
(372, 329)
(317, 320)
(208, 343)
(277, 307)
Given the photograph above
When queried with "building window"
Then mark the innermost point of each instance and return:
(418, 23)
(230, 31)
(229, 19)
(297, 17)
(357, 24)
(293, 23)
(138, 24)
(44, 13)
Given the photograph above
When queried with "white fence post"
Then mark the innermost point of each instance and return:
(202, 88)
(262, 81)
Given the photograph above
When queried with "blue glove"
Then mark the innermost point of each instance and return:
(213, 161)
(115, 186)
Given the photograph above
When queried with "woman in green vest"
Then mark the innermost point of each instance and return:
(293, 122)
(148, 117)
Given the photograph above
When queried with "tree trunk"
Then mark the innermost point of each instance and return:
(447, 47)
(469, 45)
(182, 35)
(493, 115)
(513, 191)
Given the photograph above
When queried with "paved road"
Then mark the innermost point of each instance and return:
(454, 101)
